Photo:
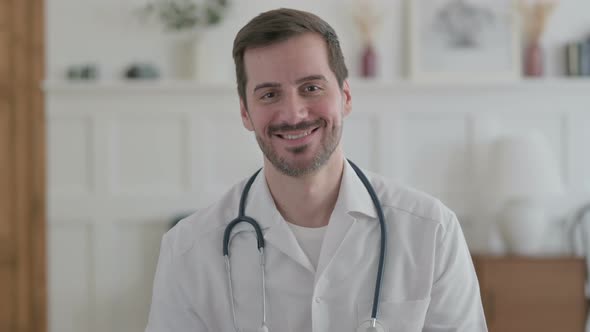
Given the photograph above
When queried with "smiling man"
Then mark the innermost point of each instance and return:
(311, 243)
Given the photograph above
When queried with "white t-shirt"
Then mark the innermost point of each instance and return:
(310, 240)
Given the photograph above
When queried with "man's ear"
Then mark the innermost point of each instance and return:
(245, 116)
(346, 98)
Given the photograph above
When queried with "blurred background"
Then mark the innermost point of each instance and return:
(482, 103)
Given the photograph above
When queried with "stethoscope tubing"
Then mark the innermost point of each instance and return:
(260, 243)
(243, 218)
(383, 244)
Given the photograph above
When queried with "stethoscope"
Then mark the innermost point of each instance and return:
(370, 325)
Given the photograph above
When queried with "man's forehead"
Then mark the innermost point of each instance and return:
(298, 56)
(302, 41)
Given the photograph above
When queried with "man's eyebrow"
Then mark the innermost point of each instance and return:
(298, 81)
(266, 85)
(311, 78)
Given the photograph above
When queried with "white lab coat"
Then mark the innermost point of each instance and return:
(429, 283)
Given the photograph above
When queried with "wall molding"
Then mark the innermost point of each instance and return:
(432, 136)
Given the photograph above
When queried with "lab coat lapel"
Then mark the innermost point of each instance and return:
(338, 228)
(282, 238)
(277, 234)
(352, 198)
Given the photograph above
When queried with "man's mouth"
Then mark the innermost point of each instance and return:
(297, 135)
(298, 131)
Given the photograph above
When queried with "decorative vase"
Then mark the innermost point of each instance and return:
(369, 62)
(533, 60)
(185, 56)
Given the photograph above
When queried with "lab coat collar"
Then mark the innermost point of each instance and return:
(353, 196)
(261, 206)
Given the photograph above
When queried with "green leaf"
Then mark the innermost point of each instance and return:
(213, 16)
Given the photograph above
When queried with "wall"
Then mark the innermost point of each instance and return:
(124, 160)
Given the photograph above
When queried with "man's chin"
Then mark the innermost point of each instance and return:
(296, 168)
(297, 150)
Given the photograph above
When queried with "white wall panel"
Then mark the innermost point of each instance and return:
(390, 156)
(550, 125)
(147, 154)
(126, 258)
(483, 130)
(128, 158)
(70, 163)
(360, 140)
(229, 153)
(580, 152)
(71, 278)
(435, 153)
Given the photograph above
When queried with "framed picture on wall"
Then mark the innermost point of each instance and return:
(463, 40)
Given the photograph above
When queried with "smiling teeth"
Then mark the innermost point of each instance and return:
(296, 136)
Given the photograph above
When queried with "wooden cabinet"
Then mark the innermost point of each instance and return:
(533, 294)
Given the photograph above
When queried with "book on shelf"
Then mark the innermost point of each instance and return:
(572, 59)
(585, 58)
(578, 58)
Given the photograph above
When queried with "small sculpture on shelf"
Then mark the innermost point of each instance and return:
(141, 71)
(87, 72)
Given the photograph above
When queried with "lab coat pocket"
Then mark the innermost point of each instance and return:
(396, 316)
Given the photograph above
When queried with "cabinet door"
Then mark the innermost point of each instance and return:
(544, 295)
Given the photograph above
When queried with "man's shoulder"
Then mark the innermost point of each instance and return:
(410, 201)
(206, 222)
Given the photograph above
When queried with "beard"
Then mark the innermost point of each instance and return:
(327, 147)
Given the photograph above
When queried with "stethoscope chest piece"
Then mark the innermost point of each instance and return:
(367, 326)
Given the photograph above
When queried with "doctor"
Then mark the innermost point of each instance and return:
(320, 226)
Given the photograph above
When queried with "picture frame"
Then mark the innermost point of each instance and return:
(463, 40)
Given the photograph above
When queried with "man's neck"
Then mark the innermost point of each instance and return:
(307, 201)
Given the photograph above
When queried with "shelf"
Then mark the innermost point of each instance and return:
(139, 86)
(545, 85)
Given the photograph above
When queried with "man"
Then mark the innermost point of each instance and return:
(320, 225)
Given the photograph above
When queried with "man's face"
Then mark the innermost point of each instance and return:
(294, 104)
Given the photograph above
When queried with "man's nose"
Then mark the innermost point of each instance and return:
(294, 109)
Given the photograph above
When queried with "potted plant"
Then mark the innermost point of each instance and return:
(185, 20)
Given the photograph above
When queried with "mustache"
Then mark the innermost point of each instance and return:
(299, 126)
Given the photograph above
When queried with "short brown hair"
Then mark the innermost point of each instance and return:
(281, 24)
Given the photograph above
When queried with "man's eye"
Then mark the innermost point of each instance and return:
(268, 95)
(311, 88)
